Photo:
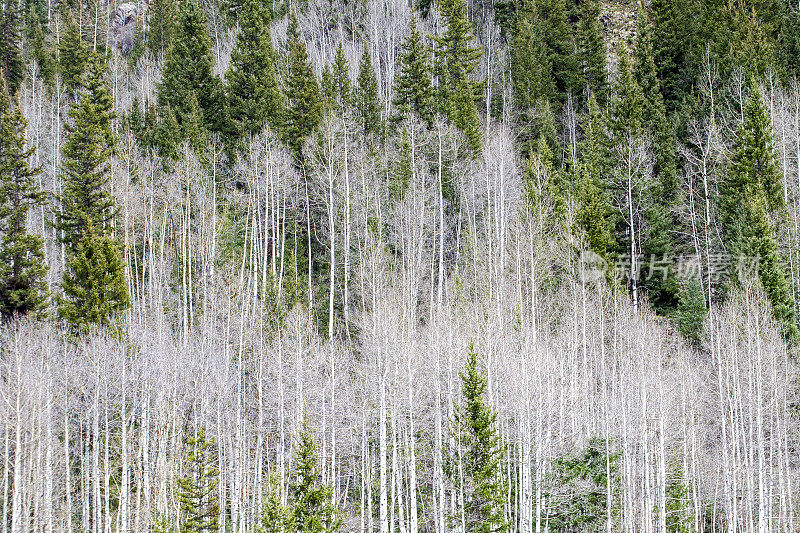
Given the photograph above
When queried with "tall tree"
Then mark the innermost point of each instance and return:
(592, 50)
(312, 509)
(22, 267)
(254, 97)
(366, 98)
(11, 60)
(161, 20)
(412, 85)
(475, 468)
(530, 61)
(340, 79)
(73, 54)
(303, 100)
(197, 487)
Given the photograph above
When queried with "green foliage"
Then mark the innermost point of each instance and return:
(85, 166)
(189, 67)
(303, 100)
(403, 168)
(340, 78)
(412, 85)
(163, 525)
(580, 496)
(254, 96)
(12, 63)
(559, 42)
(94, 285)
(313, 510)
(530, 61)
(751, 191)
(22, 268)
(366, 99)
(691, 312)
(197, 487)
(161, 16)
(73, 54)
(592, 50)
(475, 467)
(274, 516)
(679, 516)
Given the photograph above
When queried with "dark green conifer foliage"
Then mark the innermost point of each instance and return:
(561, 46)
(194, 131)
(11, 61)
(274, 517)
(340, 79)
(312, 509)
(479, 474)
(749, 194)
(457, 57)
(403, 169)
(674, 38)
(412, 85)
(40, 51)
(254, 96)
(189, 67)
(167, 136)
(303, 101)
(366, 100)
(73, 54)
(22, 268)
(161, 16)
(197, 488)
(94, 282)
(531, 67)
(592, 50)
(85, 166)
(691, 311)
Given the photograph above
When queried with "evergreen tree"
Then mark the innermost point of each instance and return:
(22, 268)
(750, 192)
(457, 57)
(531, 67)
(73, 54)
(189, 67)
(85, 166)
(674, 38)
(691, 312)
(412, 85)
(254, 97)
(161, 21)
(367, 105)
(274, 517)
(340, 79)
(476, 469)
(592, 50)
(313, 510)
(197, 488)
(561, 47)
(303, 102)
(12, 63)
(94, 282)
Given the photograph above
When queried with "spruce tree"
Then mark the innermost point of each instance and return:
(592, 50)
(254, 97)
(274, 516)
(161, 21)
(475, 469)
(412, 85)
(12, 63)
(340, 79)
(312, 509)
(189, 67)
(366, 100)
(561, 47)
(457, 57)
(303, 101)
(22, 268)
(674, 37)
(85, 166)
(531, 67)
(197, 487)
(73, 54)
(749, 194)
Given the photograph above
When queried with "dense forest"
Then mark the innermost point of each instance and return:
(380, 266)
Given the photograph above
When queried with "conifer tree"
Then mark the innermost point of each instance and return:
(303, 101)
(592, 50)
(561, 46)
(254, 97)
(457, 57)
(367, 105)
(274, 517)
(12, 63)
(475, 468)
(161, 21)
(340, 79)
(674, 35)
(531, 67)
(73, 54)
(312, 509)
(750, 192)
(22, 268)
(412, 85)
(197, 488)
(189, 67)
(86, 160)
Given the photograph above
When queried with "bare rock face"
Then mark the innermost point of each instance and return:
(123, 24)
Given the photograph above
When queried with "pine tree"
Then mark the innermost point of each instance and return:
(313, 510)
(254, 97)
(22, 268)
(691, 311)
(475, 468)
(189, 67)
(561, 47)
(457, 57)
(531, 69)
(412, 85)
(274, 517)
(161, 21)
(592, 50)
(73, 54)
(366, 100)
(94, 282)
(12, 63)
(197, 487)
(303, 101)
(340, 79)
(674, 37)
(750, 192)
(86, 160)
